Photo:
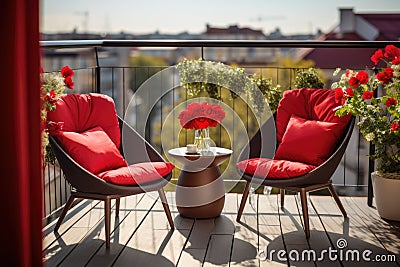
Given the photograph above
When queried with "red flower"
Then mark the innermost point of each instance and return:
(386, 76)
(390, 102)
(215, 112)
(50, 97)
(200, 116)
(349, 92)
(200, 123)
(212, 123)
(185, 119)
(54, 127)
(354, 82)
(395, 127)
(377, 56)
(367, 95)
(68, 82)
(339, 94)
(392, 52)
(396, 61)
(360, 78)
(67, 72)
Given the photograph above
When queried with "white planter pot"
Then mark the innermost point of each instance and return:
(387, 196)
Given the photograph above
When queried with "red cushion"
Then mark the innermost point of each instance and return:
(311, 104)
(92, 149)
(274, 169)
(81, 112)
(139, 173)
(308, 141)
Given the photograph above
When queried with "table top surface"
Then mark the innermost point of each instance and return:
(214, 152)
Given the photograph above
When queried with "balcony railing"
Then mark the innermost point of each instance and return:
(93, 73)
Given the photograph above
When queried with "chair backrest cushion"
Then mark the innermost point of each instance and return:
(310, 104)
(92, 149)
(81, 112)
(307, 128)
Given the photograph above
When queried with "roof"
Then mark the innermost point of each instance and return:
(233, 29)
(387, 24)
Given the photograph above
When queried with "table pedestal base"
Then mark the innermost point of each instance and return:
(200, 194)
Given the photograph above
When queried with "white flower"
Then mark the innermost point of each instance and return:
(369, 137)
(336, 72)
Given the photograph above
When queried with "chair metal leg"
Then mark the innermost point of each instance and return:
(337, 200)
(117, 204)
(64, 212)
(243, 202)
(282, 192)
(164, 201)
(107, 218)
(303, 196)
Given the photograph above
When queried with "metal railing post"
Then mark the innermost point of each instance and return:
(97, 71)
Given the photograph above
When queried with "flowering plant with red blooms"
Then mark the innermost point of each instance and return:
(53, 85)
(201, 115)
(357, 93)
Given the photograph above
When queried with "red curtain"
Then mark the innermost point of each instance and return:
(20, 164)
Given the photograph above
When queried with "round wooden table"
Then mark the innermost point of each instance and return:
(200, 191)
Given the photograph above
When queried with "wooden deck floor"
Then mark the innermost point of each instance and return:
(141, 235)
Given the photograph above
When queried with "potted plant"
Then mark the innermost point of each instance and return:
(379, 122)
(201, 76)
(308, 78)
(207, 78)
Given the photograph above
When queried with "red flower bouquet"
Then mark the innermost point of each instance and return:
(201, 115)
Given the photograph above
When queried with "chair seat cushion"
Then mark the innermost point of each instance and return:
(308, 141)
(274, 169)
(137, 174)
(92, 149)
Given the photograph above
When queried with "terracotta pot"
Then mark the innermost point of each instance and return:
(387, 196)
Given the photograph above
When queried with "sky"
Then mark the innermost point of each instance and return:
(175, 16)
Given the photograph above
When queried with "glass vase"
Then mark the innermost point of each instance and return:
(202, 140)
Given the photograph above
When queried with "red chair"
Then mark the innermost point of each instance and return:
(91, 155)
(311, 141)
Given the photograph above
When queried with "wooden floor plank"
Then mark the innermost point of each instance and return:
(245, 242)
(92, 242)
(63, 246)
(147, 246)
(195, 250)
(137, 211)
(270, 237)
(388, 236)
(293, 233)
(219, 250)
(221, 241)
(356, 235)
(319, 239)
(192, 257)
(73, 215)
